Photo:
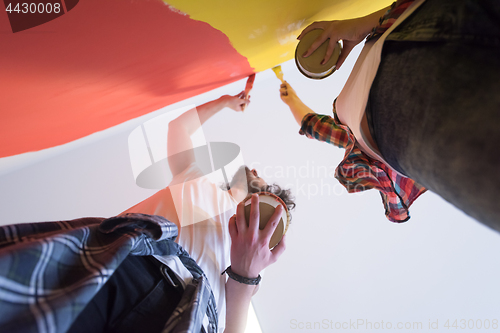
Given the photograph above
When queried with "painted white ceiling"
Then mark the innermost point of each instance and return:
(345, 268)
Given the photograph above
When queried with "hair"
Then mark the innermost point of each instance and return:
(283, 194)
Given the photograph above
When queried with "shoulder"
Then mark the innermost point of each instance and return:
(191, 172)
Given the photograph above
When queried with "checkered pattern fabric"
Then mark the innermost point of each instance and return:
(388, 19)
(358, 172)
(49, 271)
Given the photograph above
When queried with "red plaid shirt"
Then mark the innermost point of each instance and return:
(392, 14)
(359, 172)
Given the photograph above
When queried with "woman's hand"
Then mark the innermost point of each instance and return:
(290, 98)
(351, 32)
(287, 94)
(348, 31)
(237, 103)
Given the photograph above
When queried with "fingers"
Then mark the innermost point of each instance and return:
(312, 26)
(244, 103)
(253, 224)
(241, 223)
(283, 90)
(233, 230)
(278, 249)
(317, 43)
(238, 102)
(273, 222)
(329, 51)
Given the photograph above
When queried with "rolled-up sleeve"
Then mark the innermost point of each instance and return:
(323, 128)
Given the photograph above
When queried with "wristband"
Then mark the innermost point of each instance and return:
(241, 279)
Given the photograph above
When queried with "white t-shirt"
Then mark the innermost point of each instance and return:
(204, 211)
(351, 103)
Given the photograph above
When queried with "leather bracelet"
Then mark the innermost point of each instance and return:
(241, 279)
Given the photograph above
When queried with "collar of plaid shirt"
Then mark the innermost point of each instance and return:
(36, 258)
(390, 16)
(358, 172)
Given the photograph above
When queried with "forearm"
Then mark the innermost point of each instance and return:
(366, 23)
(238, 297)
(207, 110)
(250, 254)
(298, 109)
(193, 119)
(181, 129)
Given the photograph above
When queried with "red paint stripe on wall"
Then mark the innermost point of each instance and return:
(101, 64)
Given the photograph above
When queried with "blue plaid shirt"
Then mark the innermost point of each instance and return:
(49, 271)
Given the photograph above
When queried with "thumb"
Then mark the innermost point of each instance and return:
(233, 230)
(244, 104)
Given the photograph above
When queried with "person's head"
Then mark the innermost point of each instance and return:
(250, 179)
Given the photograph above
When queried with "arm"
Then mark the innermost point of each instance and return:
(238, 297)
(290, 98)
(250, 254)
(179, 144)
(351, 32)
(314, 126)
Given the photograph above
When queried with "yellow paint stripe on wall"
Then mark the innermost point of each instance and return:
(265, 31)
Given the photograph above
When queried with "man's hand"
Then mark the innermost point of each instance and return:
(237, 103)
(250, 252)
